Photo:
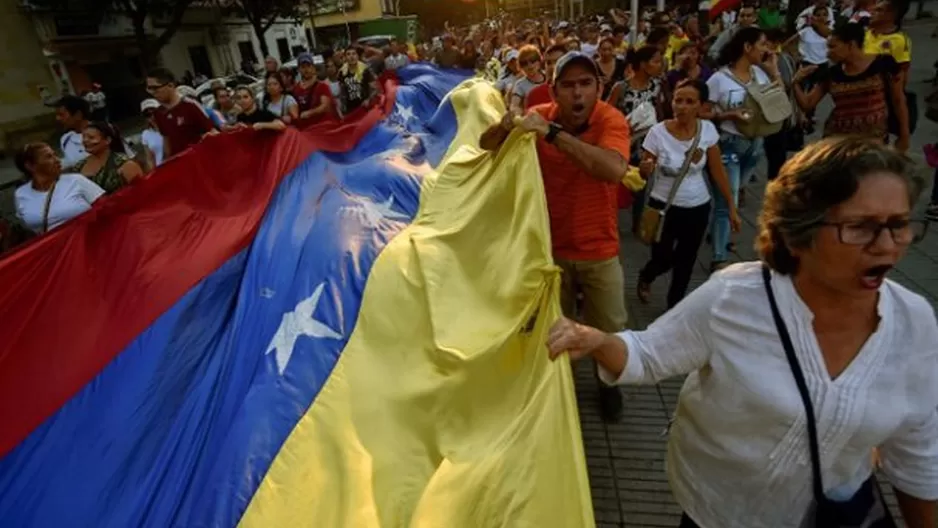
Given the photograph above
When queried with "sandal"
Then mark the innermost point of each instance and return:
(643, 290)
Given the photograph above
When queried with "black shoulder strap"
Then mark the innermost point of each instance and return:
(802, 385)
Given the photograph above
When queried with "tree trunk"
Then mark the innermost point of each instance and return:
(259, 31)
(311, 6)
(147, 53)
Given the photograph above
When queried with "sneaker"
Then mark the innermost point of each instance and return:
(610, 403)
(931, 213)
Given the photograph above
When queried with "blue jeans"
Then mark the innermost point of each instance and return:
(740, 156)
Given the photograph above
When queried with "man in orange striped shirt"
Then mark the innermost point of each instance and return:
(583, 148)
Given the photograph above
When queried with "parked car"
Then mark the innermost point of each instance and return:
(204, 91)
(376, 41)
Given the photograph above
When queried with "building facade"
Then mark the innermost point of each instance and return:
(338, 23)
(80, 49)
(26, 81)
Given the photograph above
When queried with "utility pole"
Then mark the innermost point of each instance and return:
(311, 8)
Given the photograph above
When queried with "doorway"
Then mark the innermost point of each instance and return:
(200, 61)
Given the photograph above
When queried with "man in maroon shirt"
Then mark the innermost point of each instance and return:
(312, 95)
(181, 121)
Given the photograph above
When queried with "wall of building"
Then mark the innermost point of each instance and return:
(368, 10)
(25, 76)
(176, 56)
(221, 42)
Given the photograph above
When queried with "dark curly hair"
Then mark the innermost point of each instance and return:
(821, 176)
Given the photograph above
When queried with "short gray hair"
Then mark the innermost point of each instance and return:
(821, 176)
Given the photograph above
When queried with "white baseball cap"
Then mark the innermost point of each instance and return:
(186, 91)
(149, 104)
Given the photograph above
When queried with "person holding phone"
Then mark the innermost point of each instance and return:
(745, 60)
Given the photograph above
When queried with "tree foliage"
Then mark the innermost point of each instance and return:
(170, 13)
(262, 14)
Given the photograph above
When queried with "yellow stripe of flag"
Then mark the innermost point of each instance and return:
(443, 409)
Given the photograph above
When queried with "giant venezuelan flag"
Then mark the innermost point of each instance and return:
(340, 327)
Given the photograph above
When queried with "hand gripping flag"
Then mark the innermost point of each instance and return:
(339, 327)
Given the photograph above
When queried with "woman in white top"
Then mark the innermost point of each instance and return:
(50, 198)
(812, 38)
(834, 222)
(664, 150)
(745, 59)
(278, 102)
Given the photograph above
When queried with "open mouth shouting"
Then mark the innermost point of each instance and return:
(873, 277)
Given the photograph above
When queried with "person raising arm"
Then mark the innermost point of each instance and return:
(583, 148)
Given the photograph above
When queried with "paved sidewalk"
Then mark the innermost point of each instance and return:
(626, 460)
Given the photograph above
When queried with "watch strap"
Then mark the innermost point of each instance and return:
(554, 129)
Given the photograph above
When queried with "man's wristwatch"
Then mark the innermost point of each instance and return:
(552, 130)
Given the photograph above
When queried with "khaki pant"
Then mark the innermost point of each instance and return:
(603, 288)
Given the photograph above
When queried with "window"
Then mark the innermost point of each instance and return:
(283, 47)
(246, 48)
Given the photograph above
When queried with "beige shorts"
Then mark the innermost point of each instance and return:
(603, 288)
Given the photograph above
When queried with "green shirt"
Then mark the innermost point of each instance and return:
(769, 19)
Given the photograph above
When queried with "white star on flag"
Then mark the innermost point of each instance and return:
(372, 213)
(405, 113)
(298, 323)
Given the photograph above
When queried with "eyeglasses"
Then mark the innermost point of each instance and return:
(154, 87)
(865, 233)
(527, 62)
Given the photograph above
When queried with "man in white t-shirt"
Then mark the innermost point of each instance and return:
(97, 100)
(72, 112)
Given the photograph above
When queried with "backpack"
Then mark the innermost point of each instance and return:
(768, 105)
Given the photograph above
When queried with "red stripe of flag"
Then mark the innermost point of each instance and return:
(71, 301)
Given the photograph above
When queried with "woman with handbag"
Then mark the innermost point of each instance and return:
(676, 151)
(800, 365)
(746, 62)
(50, 198)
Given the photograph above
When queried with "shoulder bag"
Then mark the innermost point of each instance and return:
(45, 209)
(866, 508)
(652, 221)
(768, 105)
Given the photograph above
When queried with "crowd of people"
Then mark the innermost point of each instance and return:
(783, 391)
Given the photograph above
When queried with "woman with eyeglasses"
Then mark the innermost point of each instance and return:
(107, 164)
(529, 59)
(50, 198)
(812, 347)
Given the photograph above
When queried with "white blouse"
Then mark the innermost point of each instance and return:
(72, 196)
(738, 452)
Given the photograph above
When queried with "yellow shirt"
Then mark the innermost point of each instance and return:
(896, 44)
(674, 45)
